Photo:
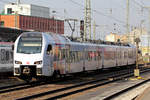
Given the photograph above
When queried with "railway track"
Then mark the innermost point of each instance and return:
(67, 91)
(80, 87)
(116, 95)
(21, 86)
(126, 90)
(4, 75)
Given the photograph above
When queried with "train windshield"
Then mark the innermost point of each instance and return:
(30, 44)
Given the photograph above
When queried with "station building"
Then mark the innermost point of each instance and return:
(112, 37)
(144, 44)
(30, 17)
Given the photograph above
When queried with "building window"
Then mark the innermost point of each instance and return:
(1, 23)
(9, 10)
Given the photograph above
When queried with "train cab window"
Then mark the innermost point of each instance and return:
(49, 48)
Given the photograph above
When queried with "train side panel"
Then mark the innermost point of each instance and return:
(109, 56)
(131, 56)
(75, 62)
(91, 59)
(124, 56)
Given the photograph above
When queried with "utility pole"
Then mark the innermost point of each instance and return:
(136, 71)
(87, 20)
(55, 19)
(16, 14)
(18, 2)
(94, 29)
(142, 21)
(148, 35)
(149, 31)
(127, 21)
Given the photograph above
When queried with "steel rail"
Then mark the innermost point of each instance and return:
(19, 87)
(16, 87)
(103, 81)
(127, 89)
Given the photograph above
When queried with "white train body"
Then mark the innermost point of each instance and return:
(40, 54)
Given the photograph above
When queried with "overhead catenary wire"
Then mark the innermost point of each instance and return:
(96, 11)
(123, 23)
(100, 13)
(137, 3)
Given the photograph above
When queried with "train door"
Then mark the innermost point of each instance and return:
(62, 62)
(67, 60)
(118, 57)
(115, 57)
(48, 61)
(124, 56)
(84, 58)
(55, 61)
(102, 57)
(129, 56)
(99, 59)
(59, 60)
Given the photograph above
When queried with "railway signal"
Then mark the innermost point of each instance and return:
(136, 70)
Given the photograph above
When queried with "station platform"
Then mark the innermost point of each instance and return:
(140, 93)
(145, 95)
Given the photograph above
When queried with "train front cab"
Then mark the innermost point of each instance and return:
(30, 54)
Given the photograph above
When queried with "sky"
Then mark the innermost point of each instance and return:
(109, 15)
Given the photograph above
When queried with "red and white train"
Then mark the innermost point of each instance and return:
(38, 54)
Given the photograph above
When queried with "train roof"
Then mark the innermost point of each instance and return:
(6, 44)
(60, 39)
(99, 42)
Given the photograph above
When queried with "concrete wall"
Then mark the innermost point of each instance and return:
(10, 20)
(40, 11)
(28, 9)
(33, 23)
(22, 9)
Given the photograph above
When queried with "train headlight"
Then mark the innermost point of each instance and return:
(38, 62)
(18, 62)
(39, 70)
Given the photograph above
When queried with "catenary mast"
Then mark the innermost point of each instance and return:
(87, 20)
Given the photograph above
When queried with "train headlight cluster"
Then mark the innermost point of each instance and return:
(39, 70)
(18, 62)
(38, 62)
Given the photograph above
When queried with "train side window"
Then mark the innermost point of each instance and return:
(49, 48)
